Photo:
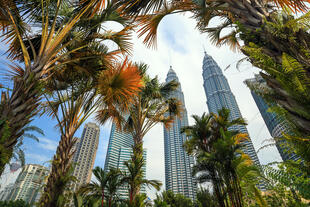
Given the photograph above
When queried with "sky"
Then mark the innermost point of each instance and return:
(180, 45)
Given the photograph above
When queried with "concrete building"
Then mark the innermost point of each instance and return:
(120, 150)
(275, 124)
(85, 154)
(29, 183)
(178, 171)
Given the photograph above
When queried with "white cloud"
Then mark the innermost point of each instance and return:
(38, 158)
(48, 144)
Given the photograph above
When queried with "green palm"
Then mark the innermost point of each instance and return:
(134, 178)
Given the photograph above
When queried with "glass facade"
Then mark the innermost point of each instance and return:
(276, 125)
(178, 172)
(219, 95)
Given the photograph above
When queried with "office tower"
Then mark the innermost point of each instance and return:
(275, 124)
(85, 154)
(28, 183)
(119, 151)
(219, 95)
(178, 171)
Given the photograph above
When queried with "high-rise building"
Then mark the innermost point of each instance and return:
(178, 171)
(275, 124)
(119, 151)
(85, 154)
(219, 95)
(28, 183)
(5, 193)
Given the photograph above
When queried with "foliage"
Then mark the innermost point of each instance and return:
(168, 198)
(289, 175)
(205, 198)
(219, 158)
(134, 179)
(151, 106)
(17, 203)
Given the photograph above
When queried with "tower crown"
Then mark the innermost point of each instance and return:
(171, 75)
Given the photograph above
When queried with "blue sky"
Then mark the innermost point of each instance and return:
(179, 45)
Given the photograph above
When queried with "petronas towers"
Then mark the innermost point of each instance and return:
(178, 172)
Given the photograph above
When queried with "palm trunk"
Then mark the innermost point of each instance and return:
(137, 155)
(102, 198)
(16, 111)
(60, 169)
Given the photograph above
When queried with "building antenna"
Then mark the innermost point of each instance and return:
(170, 57)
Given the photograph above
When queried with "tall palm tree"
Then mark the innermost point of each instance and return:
(134, 179)
(73, 106)
(37, 35)
(151, 106)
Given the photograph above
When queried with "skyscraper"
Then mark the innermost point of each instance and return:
(28, 183)
(178, 171)
(119, 151)
(219, 95)
(85, 154)
(275, 124)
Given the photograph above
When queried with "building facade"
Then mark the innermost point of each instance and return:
(219, 95)
(29, 183)
(275, 124)
(178, 165)
(120, 150)
(85, 154)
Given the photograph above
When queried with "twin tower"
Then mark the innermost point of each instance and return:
(178, 165)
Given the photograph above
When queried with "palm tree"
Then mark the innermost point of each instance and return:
(71, 107)
(96, 189)
(114, 182)
(134, 179)
(42, 51)
(218, 154)
(151, 106)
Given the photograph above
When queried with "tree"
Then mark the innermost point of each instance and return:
(75, 105)
(168, 198)
(96, 189)
(218, 155)
(205, 198)
(151, 106)
(42, 55)
(115, 181)
(134, 179)
(17, 203)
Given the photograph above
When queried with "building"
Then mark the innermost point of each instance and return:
(120, 150)
(6, 192)
(178, 171)
(85, 154)
(219, 95)
(275, 124)
(29, 183)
